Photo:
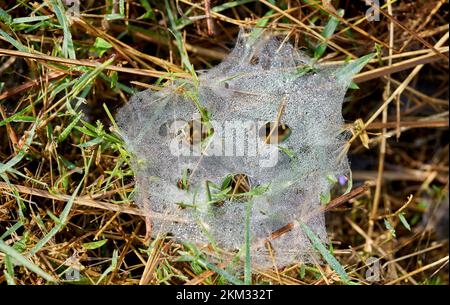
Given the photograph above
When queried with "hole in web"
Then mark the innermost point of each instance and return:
(254, 60)
(274, 135)
(195, 131)
(239, 185)
(164, 130)
(172, 128)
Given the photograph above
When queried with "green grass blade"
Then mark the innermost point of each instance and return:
(11, 230)
(68, 129)
(95, 244)
(19, 46)
(405, 223)
(62, 217)
(327, 32)
(5, 17)
(259, 27)
(46, 239)
(30, 19)
(16, 195)
(17, 158)
(67, 48)
(230, 278)
(389, 226)
(179, 40)
(111, 267)
(19, 258)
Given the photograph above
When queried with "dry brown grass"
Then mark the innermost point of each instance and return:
(402, 101)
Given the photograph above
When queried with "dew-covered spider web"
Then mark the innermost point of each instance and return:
(249, 147)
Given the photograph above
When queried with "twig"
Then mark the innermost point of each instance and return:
(426, 267)
(333, 204)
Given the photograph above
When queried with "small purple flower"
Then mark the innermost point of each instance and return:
(342, 180)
